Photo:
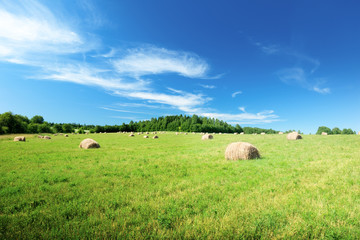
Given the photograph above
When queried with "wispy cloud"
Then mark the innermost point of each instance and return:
(207, 86)
(302, 73)
(154, 60)
(236, 93)
(298, 77)
(29, 31)
(242, 109)
(268, 49)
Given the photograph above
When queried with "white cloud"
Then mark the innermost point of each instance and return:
(268, 49)
(242, 109)
(153, 60)
(298, 77)
(28, 31)
(88, 75)
(236, 93)
(207, 86)
(322, 90)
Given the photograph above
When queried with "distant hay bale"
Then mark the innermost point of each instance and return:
(146, 136)
(241, 151)
(220, 133)
(138, 133)
(89, 143)
(281, 133)
(242, 133)
(235, 133)
(262, 133)
(358, 133)
(154, 137)
(176, 133)
(66, 135)
(207, 137)
(185, 133)
(55, 134)
(46, 137)
(324, 133)
(147, 132)
(193, 133)
(19, 139)
(39, 136)
(131, 135)
(294, 136)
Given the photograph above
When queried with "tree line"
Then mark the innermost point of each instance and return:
(334, 131)
(15, 123)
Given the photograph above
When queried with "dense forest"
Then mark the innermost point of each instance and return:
(15, 123)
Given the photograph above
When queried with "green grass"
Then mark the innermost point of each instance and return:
(179, 187)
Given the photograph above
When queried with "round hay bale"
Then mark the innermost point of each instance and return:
(66, 135)
(39, 136)
(324, 133)
(131, 135)
(147, 132)
(262, 133)
(146, 136)
(241, 151)
(89, 143)
(185, 133)
(242, 133)
(176, 133)
(154, 137)
(235, 133)
(19, 139)
(138, 133)
(281, 133)
(293, 136)
(46, 137)
(207, 137)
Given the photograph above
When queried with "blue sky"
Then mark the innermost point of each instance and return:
(269, 64)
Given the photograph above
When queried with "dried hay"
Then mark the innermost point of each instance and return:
(242, 133)
(281, 133)
(293, 136)
(19, 139)
(154, 137)
(324, 133)
(89, 143)
(46, 137)
(66, 135)
(241, 150)
(262, 133)
(146, 136)
(131, 135)
(207, 137)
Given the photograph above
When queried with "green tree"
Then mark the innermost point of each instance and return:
(37, 119)
(322, 129)
(67, 128)
(336, 130)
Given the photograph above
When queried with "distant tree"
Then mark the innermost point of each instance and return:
(44, 128)
(37, 119)
(33, 128)
(67, 128)
(348, 131)
(322, 129)
(336, 130)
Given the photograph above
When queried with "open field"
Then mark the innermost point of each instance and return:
(179, 187)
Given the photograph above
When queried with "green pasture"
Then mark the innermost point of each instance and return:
(179, 187)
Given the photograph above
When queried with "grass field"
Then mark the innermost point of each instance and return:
(179, 187)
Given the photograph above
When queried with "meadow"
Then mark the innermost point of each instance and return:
(179, 186)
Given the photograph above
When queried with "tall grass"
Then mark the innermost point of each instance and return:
(179, 187)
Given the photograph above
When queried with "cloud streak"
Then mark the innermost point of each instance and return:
(153, 60)
(236, 93)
